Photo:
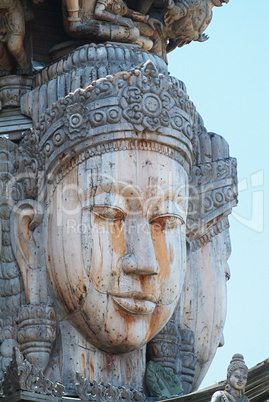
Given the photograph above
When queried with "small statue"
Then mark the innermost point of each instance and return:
(237, 373)
(12, 32)
(139, 27)
(111, 20)
(186, 20)
(151, 25)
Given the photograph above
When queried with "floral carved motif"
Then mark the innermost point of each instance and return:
(22, 375)
(37, 332)
(213, 191)
(92, 391)
(141, 97)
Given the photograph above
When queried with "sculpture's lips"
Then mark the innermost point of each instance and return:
(135, 302)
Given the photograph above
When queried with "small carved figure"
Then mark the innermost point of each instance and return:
(12, 32)
(186, 20)
(137, 27)
(237, 373)
(151, 25)
(112, 20)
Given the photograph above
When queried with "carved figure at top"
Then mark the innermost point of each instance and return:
(186, 20)
(237, 374)
(178, 22)
(12, 32)
(112, 20)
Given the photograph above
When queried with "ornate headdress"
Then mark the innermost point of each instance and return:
(137, 109)
(237, 362)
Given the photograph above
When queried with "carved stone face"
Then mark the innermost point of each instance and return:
(238, 379)
(116, 246)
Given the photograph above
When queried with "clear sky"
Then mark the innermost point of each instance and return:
(227, 78)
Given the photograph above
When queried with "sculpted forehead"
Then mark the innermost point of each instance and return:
(145, 173)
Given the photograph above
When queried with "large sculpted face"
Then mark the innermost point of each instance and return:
(116, 246)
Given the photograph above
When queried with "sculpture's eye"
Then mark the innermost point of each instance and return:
(165, 222)
(109, 213)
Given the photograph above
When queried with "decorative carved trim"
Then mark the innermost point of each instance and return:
(212, 194)
(29, 162)
(207, 173)
(11, 290)
(216, 228)
(173, 348)
(142, 98)
(162, 382)
(40, 316)
(22, 375)
(12, 88)
(92, 391)
(112, 57)
(165, 347)
(37, 333)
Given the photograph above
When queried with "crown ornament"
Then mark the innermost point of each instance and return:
(137, 109)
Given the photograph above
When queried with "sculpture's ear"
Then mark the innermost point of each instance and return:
(25, 218)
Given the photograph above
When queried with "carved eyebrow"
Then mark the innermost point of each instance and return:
(115, 194)
(118, 188)
(170, 194)
(109, 188)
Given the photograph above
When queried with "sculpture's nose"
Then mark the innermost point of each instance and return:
(141, 260)
(145, 265)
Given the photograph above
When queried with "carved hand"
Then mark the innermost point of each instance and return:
(126, 22)
(203, 37)
(155, 24)
(173, 14)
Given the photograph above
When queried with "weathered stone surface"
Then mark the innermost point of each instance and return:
(112, 209)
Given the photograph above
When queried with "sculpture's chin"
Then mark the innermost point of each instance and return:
(120, 330)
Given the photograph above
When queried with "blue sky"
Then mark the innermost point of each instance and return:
(227, 78)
